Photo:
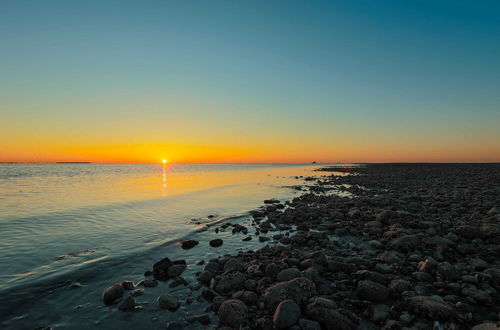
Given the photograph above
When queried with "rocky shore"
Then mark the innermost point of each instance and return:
(414, 246)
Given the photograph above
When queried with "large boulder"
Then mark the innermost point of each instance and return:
(230, 282)
(160, 269)
(167, 301)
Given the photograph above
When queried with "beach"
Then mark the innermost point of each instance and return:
(375, 246)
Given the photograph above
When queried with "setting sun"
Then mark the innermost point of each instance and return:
(164, 161)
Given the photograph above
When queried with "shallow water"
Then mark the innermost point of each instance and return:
(96, 224)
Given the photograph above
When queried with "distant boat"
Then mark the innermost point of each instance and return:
(314, 162)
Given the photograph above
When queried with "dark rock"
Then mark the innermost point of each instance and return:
(112, 293)
(160, 269)
(166, 301)
(186, 245)
(216, 242)
(230, 282)
(205, 277)
(127, 304)
(431, 309)
(128, 285)
(299, 290)
(233, 313)
(286, 314)
(288, 274)
(176, 270)
(372, 291)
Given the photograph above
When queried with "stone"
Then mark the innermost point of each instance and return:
(176, 270)
(189, 244)
(288, 274)
(205, 277)
(203, 319)
(160, 269)
(380, 313)
(233, 313)
(137, 292)
(306, 324)
(372, 291)
(216, 242)
(127, 304)
(286, 314)
(431, 309)
(169, 302)
(233, 264)
(485, 326)
(299, 289)
(128, 285)
(230, 282)
(150, 283)
(112, 293)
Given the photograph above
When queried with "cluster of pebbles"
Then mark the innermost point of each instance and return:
(416, 246)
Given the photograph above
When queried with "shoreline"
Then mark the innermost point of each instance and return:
(415, 246)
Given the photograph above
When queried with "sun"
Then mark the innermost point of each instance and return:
(164, 161)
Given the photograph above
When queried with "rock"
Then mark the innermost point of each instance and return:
(205, 277)
(176, 270)
(299, 289)
(248, 297)
(233, 313)
(372, 291)
(150, 283)
(160, 269)
(112, 293)
(230, 282)
(272, 270)
(127, 304)
(177, 281)
(485, 326)
(406, 243)
(186, 245)
(166, 301)
(216, 242)
(233, 264)
(137, 292)
(271, 201)
(306, 324)
(288, 274)
(128, 285)
(246, 239)
(203, 319)
(286, 314)
(431, 309)
(380, 313)
(428, 266)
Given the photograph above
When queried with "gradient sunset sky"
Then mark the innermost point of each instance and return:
(249, 81)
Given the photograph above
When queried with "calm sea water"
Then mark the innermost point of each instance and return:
(95, 224)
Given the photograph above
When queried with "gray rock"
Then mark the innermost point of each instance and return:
(112, 293)
(286, 314)
(205, 277)
(233, 264)
(306, 324)
(137, 292)
(216, 242)
(189, 244)
(431, 309)
(380, 313)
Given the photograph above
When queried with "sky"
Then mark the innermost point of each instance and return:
(250, 81)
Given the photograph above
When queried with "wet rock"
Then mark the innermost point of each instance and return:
(286, 314)
(406, 243)
(485, 326)
(169, 302)
(205, 277)
(128, 285)
(299, 289)
(216, 242)
(176, 270)
(150, 283)
(137, 292)
(112, 293)
(160, 269)
(246, 239)
(372, 291)
(189, 244)
(127, 304)
(431, 309)
(177, 281)
(233, 313)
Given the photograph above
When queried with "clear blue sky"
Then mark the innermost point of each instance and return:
(330, 80)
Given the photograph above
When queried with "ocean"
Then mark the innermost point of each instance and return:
(67, 231)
